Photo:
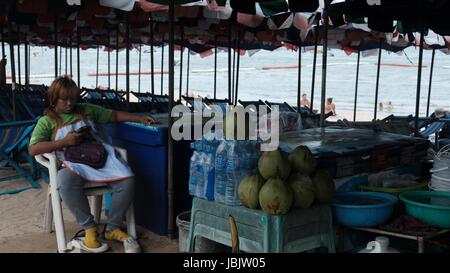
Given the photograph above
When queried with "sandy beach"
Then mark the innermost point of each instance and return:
(22, 224)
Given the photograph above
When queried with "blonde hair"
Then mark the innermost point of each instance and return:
(61, 86)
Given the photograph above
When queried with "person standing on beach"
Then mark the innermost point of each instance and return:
(330, 107)
(380, 106)
(390, 107)
(304, 101)
(67, 123)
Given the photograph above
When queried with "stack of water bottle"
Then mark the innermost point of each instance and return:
(217, 167)
(202, 175)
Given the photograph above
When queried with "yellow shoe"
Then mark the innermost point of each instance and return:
(116, 234)
(90, 239)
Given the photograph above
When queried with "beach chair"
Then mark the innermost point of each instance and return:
(222, 103)
(191, 103)
(14, 139)
(434, 128)
(53, 208)
(282, 107)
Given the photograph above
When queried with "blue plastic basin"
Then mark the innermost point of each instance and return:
(363, 209)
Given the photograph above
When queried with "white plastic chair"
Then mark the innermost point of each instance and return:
(53, 208)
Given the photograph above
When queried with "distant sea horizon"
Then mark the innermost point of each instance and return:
(268, 75)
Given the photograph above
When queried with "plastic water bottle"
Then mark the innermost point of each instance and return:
(207, 191)
(192, 173)
(195, 168)
(234, 172)
(220, 164)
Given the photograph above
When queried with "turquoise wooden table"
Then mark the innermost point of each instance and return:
(297, 231)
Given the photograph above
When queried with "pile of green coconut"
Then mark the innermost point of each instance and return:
(283, 181)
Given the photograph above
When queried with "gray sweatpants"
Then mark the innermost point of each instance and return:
(70, 187)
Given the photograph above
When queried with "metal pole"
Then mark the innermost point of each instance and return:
(229, 63)
(117, 58)
(181, 63)
(139, 76)
(170, 184)
(3, 41)
(27, 79)
(324, 64)
(70, 53)
(299, 78)
(152, 57)
(13, 71)
(233, 72)
(237, 68)
(60, 59)
(377, 83)
(78, 59)
(18, 55)
(127, 75)
(109, 60)
(65, 60)
(29, 63)
(431, 79)
(215, 67)
(313, 80)
(187, 71)
(419, 80)
(162, 66)
(96, 75)
(356, 86)
(56, 45)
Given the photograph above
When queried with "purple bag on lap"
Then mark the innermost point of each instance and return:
(89, 153)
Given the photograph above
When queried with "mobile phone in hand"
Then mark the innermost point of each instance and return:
(83, 130)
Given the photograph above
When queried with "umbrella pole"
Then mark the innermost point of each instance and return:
(188, 71)
(13, 71)
(27, 69)
(170, 169)
(78, 59)
(356, 86)
(140, 60)
(299, 77)
(237, 67)
(181, 63)
(229, 63)
(152, 58)
(56, 46)
(66, 55)
(419, 80)
(162, 66)
(313, 80)
(109, 61)
(431, 79)
(18, 56)
(60, 60)
(324, 64)
(3, 40)
(117, 58)
(70, 58)
(233, 73)
(128, 63)
(215, 67)
(96, 68)
(377, 83)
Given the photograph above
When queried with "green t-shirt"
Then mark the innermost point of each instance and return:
(46, 127)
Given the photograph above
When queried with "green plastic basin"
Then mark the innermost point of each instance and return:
(431, 207)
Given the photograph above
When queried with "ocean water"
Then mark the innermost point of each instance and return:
(397, 83)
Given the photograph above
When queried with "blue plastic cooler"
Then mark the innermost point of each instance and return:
(147, 156)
